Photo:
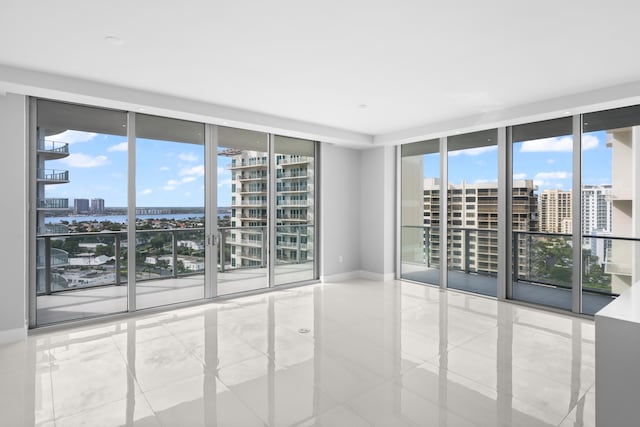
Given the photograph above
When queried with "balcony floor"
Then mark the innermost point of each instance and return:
(84, 303)
(375, 353)
(522, 291)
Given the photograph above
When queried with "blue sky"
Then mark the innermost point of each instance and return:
(172, 173)
(547, 161)
(167, 173)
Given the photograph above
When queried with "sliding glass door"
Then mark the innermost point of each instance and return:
(472, 217)
(243, 201)
(420, 212)
(542, 261)
(610, 212)
(79, 189)
(137, 211)
(169, 211)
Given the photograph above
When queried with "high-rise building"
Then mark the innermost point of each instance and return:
(97, 205)
(80, 206)
(596, 209)
(249, 204)
(555, 211)
(473, 221)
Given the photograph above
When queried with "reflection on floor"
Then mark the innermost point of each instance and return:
(355, 353)
(86, 303)
(522, 291)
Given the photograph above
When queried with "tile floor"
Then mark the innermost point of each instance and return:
(355, 353)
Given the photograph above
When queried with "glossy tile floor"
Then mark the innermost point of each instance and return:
(356, 353)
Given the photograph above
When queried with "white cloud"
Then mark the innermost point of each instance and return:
(589, 142)
(72, 136)
(187, 194)
(164, 168)
(539, 182)
(123, 146)
(193, 171)
(558, 144)
(483, 181)
(187, 179)
(79, 160)
(188, 157)
(552, 175)
(146, 192)
(551, 161)
(473, 151)
(519, 175)
(171, 185)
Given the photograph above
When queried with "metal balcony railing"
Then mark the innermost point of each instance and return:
(52, 175)
(53, 203)
(160, 254)
(292, 160)
(538, 258)
(54, 149)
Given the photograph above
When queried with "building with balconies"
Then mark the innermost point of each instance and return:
(294, 208)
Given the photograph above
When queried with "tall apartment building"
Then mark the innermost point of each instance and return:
(49, 151)
(97, 205)
(249, 205)
(555, 211)
(81, 206)
(596, 209)
(473, 222)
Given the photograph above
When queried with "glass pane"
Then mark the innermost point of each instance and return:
(541, 212)
(170, 242)
(295, 210)
(81, 192)
(472, 199)
(242, 193)
(610, 257)
(420, 236)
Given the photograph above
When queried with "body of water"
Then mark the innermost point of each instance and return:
(122, 219)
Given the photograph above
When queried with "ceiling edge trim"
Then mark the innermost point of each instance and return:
(595, 100)
(46, 85)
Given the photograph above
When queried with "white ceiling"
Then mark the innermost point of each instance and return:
(411, 62)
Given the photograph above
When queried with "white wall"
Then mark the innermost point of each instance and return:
(13, 251)
(377, 219)
(340, 212)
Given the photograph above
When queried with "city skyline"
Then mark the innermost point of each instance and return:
(172, 174)
(548, 162)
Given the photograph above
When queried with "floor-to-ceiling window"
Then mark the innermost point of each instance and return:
(420, 212)
(80, 192)
(132, 214)
(542, 260)
(570, 249)
(609, 203)
(170, 214)
(295, 210)
(243, 198)
(472, 217)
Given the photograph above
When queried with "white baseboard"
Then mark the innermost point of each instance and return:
(359, 274)
(12, 335)
(350, 275)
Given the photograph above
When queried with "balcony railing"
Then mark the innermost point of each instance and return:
(51, 203)
(52, 175)
(250, 163)
(83, 260)
(53, 149)
(53, 229)
(538, 258)
(292, 160)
